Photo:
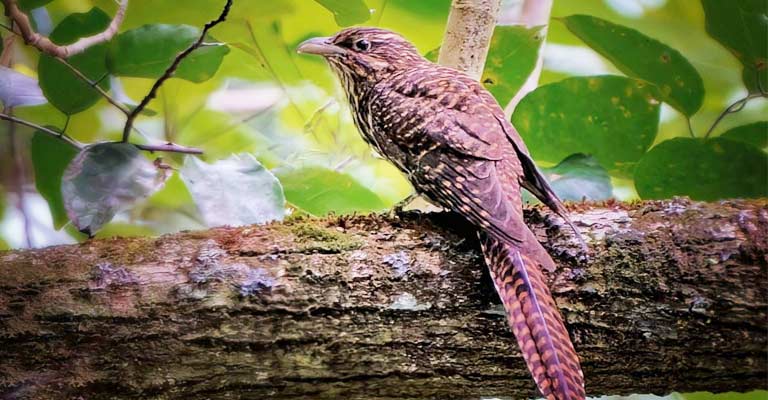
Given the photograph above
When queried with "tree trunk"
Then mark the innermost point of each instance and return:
(468, 34)
(673, 297)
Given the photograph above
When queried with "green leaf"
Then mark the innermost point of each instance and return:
(235, 191)
(579, 177)
(50, 157)
(146, 52)
(60, 85)
(106, 178)
(613, 118)
(347, 12)
(27, 5)
(750, 76)
(433, 54)
(755, 134)
(511, 59)
(703, 170)
(642, 57)
(320, 191)
(742, 28)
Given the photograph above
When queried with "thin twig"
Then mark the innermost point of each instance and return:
(95, 85)
(45, 45)
(737, 106)
(274, 74)
(380, 13)
(165, 147)
(690, 128)
(760, 87)
(72, 142)
(168, 148)
(172, 69)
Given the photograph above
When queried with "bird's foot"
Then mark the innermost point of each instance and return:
(399, 207)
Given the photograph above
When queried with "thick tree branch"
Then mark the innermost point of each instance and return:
(673, 298)
(172, 69)
(468, 34)
(44, 44)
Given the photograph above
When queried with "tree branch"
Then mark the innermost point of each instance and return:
(72, 142)
(737, 106)
(169, 148)
(468, 34)
(165, 147)
(45, 45)
(172, 69)
(673, 298)
(95, 86)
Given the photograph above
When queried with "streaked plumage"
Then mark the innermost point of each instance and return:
(450, 137)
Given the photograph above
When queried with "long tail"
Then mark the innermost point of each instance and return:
(535, 320)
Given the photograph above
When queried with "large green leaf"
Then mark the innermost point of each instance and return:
(50, 157)
(703, 169)
(742, 27)
(347, 12)
(27, 5)
(640, 56)
(146, 52)
(579, 177)
(511, 59)
(106, 178)
(755, 134)
(60, 85)
(613, 118)
(235, 191)
(320, 191)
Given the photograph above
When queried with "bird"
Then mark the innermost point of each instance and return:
(451, 139)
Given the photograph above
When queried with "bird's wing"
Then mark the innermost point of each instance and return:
(533, 180)
(461, 158)
(441, 109)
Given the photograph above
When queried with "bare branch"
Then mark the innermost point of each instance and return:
(45, 45)
(172, 69)
(737, 106)
(95, 85)
(165, 147)
(468, 35)
(168, 148)
(672, 298)
(72, 142)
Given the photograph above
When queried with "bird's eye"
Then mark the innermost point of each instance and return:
(362, 45)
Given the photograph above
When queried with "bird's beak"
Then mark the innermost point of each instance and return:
(322, 46)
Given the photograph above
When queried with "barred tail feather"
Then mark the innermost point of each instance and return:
(535, 321)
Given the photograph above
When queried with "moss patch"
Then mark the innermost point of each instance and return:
(325, 240)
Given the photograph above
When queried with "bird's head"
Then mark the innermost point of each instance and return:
(364, 53)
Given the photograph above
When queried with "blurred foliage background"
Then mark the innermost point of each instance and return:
(283, 138)
(286, 110)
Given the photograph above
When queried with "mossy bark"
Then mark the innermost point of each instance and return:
(673, 297)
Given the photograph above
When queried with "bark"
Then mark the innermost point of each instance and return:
(468, 34)
(45, 45)
(672, 297)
